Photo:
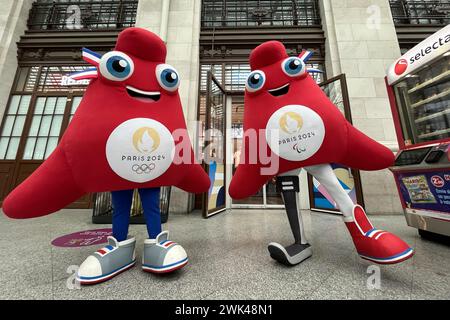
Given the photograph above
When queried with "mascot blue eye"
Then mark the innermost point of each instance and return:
(293, 66)
(116, 66)
(255, 81)
(167, 77)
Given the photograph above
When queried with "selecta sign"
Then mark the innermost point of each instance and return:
(430, 48)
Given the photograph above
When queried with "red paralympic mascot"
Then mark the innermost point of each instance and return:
(128, 133)
(303, 129)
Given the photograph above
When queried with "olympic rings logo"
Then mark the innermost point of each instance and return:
(143, 168)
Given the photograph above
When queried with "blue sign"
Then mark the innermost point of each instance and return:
(426, 190)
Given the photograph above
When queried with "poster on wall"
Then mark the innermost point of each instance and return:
(321, 197)
(425, 191)
(216, 194)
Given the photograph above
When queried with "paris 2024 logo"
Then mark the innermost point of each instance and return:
(140, 149)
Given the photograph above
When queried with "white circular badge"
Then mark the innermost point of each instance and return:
(140, 149)
(295, 132)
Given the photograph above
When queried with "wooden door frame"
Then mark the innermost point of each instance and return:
(355, 172)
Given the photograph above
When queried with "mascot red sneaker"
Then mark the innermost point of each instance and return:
(301, 128)
(128, 133)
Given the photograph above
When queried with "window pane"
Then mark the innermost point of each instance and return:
(50, 105)
(39, 150)
(8, 125)
(56, 126)
(52, 143)
(23, 73)
(47, 122)
(35, 126)
(29, 147)
(40, 103)
(24, 104)
(12, 148)
(32, 78)
(18, 126)
(45, 126)
(3, 146)
(60, 105)
(75, 103)
(14, 104)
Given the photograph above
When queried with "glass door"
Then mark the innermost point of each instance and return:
(319, 199)
(214, 147)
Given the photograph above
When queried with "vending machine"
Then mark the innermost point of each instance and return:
(418, 85)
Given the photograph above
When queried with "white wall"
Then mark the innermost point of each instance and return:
(13, 20)
(361, 42)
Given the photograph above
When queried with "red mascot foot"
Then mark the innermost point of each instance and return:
(376, 245)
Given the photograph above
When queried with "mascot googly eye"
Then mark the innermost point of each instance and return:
(255, 81)
(167, 77)
(293, 67)
(116, 66)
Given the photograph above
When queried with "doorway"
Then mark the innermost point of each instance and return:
(214, 147)
(267, 196)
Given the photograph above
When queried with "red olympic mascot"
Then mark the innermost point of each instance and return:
(128, 133)
(303, 129)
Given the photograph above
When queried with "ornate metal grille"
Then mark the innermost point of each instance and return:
(235, 13)
(82, 14)
(420, 12)
(234, 75)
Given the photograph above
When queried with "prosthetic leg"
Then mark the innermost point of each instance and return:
(300, 250)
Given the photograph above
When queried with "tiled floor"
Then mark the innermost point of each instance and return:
(228, 260)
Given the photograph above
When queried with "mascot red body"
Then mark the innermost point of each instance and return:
(301, 128)
(128, 132)
(328, 137)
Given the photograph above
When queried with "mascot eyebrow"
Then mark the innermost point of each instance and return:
(91, 57)
(305, 55)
